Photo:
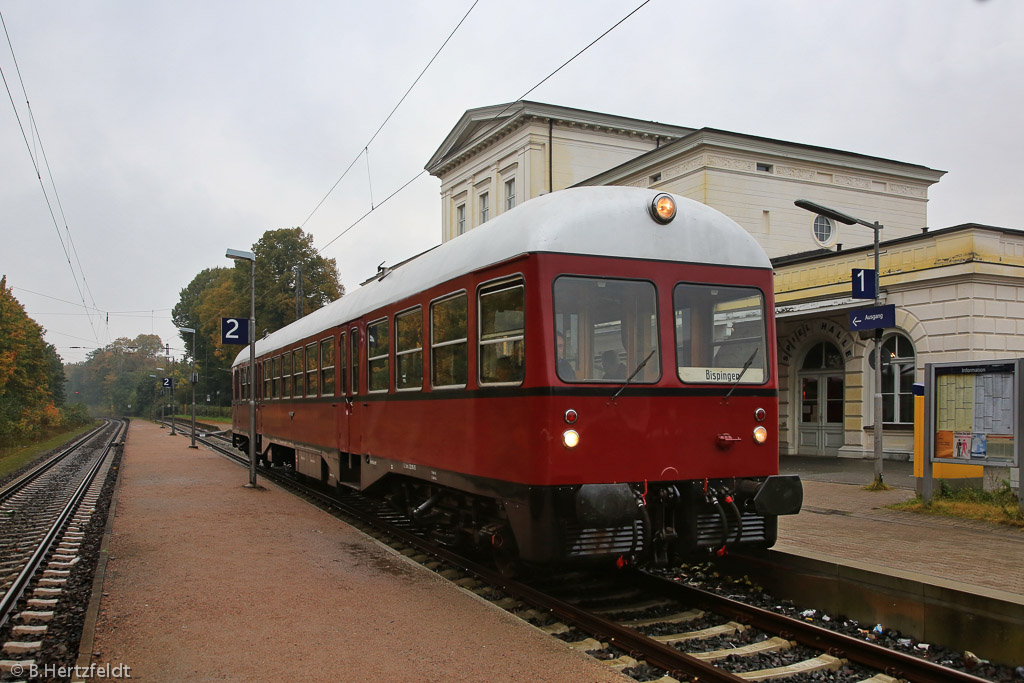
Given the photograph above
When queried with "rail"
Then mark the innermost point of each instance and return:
(17, 589)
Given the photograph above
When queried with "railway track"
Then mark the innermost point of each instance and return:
(647, 626)
(43, 515)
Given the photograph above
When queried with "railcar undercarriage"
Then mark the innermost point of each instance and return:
(652, 524)
(622, 523)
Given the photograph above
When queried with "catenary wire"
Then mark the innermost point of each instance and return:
(39, 177)
(507, 107)
(98, 310)
(381, 127)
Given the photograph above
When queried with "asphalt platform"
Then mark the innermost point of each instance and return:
(203, 579)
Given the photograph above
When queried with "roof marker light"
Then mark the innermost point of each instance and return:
(663, 208)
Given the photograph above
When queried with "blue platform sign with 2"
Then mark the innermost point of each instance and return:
(234, 330)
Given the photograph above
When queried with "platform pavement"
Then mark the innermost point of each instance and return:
(202, 585)
(843, 522)
(208, 580)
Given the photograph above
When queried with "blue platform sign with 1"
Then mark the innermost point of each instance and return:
(234, 330)
(863, 281)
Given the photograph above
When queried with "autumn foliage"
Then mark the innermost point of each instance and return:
(31, 377)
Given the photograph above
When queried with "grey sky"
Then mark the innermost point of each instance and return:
(177, 130)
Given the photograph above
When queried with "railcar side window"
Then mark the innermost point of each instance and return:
(719, 332)
(286, 375)
(449, 342)
(377, 347)
(299, 358)
(312, 369)
(342, 364)
(327, 367)
(268, 374)
(355, 360)
(409, 349)
(502, 320)
(607, 328)
(277, 376)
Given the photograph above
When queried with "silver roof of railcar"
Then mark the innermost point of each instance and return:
(591, 221)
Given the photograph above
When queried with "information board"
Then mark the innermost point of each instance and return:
(976, 416)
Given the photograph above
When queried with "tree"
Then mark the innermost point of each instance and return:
(217, 293)
(109, 378)
(28, 379)
(208, 298)
(277, 254)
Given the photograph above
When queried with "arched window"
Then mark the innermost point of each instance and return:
(898, 361)
(823, 356)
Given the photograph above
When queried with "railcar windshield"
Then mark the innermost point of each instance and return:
(605, 328)
(719, 331)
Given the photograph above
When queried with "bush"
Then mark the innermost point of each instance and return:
(75, 415)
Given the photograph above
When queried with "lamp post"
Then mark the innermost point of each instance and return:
(161, 399)
(239, 255)
(192, 378)
(170, 364)
(877, 228)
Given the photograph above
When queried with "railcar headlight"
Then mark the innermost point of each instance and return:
(760, 434)
(570, 438)
(663, 208)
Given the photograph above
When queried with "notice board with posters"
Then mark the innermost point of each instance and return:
(972, 411)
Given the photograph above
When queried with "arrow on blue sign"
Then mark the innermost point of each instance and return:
(873, 318)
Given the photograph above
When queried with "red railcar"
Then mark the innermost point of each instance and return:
(589, 376)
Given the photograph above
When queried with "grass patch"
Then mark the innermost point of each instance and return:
(877, 485)
(998, 507)
(204, 418)
(15, 458)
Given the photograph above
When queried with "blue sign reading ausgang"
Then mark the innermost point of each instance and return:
(873, 318)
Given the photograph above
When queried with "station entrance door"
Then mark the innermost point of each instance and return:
(821, 383)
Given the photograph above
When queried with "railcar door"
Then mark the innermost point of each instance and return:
(353, 408)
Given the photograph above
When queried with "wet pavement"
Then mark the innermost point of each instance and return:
(895, 473)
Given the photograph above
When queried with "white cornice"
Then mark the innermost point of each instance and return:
(769, 150)
(480, 128)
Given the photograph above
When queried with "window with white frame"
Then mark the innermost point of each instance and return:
(485, 207)
(327, 366)
(501, 319)
(460, 219)
(823, 231)
(377, 353)
(898, 361)
(312, 369)
(449, 342)
(510, 193)
(298, 381)
(409, 349)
